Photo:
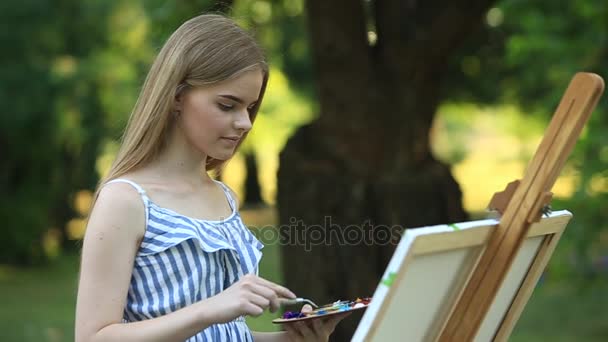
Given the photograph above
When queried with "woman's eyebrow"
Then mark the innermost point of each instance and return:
(236, 99)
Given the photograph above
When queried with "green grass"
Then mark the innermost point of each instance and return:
(270, 267)
(37, 304)
(562, 312)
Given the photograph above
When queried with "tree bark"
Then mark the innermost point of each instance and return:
(253, 190)
(351, 181)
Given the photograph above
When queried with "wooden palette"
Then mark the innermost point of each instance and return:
(332, 309)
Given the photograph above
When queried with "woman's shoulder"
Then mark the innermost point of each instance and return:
(120, 192)
(119, 204)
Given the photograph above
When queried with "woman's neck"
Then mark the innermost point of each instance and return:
(179, 160)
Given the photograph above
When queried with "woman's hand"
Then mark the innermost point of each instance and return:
(313, 330)
(251, 295)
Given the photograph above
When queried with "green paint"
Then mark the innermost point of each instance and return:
(388, 281)
(453, 226)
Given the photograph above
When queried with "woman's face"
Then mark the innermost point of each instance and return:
(214, 118)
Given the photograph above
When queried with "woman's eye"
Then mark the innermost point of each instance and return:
(225, 107)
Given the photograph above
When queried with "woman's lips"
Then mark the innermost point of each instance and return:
(232, 140)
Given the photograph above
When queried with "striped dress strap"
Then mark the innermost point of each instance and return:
(228, 193)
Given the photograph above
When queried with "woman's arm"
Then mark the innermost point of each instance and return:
(114, 230)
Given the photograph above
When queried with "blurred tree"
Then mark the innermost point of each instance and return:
(50, 127)
(366, 161)
(526, 54)
(253, 191)
(67, 83)
(382, 67)
(169, 15)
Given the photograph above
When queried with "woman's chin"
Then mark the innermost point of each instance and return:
(223, 156)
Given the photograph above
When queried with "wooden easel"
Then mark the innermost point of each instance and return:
(470, 281)
(521, 204)
(431, 267)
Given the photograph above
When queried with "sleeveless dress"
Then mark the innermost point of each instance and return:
(182, 260)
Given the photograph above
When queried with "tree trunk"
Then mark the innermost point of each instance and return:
(253, 190)
(350, 182)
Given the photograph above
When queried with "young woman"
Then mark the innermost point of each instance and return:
(166, 256)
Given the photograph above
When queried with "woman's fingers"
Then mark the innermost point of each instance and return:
(300, 331)
(273, 292)
(314, 330)
(252, 309)
(281, 291)
(268, 293)
(331, 322)
(305, 330)
(321, 328)
(259, 301)
(306, 308)
(266, 289)
(293, 333)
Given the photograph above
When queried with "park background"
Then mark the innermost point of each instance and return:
(71, 71)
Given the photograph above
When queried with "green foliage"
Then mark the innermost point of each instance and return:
(280, 27)
(50, 125)
(70, 74)
(166, 16)
(548, 43)
(71, 71)
(526, 54)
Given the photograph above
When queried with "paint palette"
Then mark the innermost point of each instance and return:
(334, 308)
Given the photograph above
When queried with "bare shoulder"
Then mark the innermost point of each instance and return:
(120, 196)
(119, 205)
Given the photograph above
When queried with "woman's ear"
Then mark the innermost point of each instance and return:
(178, 102)
(176, 108)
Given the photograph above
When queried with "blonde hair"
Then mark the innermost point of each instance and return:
(206, 49)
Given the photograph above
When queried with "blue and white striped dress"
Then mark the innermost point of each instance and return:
(183, 260)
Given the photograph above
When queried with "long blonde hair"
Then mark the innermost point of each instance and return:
(206, 49)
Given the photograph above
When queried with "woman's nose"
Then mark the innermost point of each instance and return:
(243, 121)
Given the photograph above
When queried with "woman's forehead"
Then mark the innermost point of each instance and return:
(245, 86)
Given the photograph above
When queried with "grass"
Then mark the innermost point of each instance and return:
(270, 267)
(562, 312)
(37, 304)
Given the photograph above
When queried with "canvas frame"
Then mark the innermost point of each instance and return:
(470, 236)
